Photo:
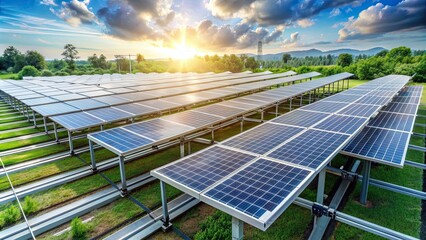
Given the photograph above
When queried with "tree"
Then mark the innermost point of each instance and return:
(28, 71)
(9, 55)
(286, 57)
(140, 58)
(397, 54)
(382, 53)
(19, 61)
(34, 58)
(93, 60)
(344, 60)
(57, 65)
(70, 55)
(251, 63)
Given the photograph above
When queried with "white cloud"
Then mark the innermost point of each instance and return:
(335, 12)
(48, 2)
(304, 23)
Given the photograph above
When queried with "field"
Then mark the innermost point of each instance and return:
(385, 208)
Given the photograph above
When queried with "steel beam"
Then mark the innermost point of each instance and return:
(123, 176)
(237, 229)
(365, 182)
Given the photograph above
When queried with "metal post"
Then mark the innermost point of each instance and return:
(276, 110)
(301, 99)
(55, 129)
(261, 115)
(45, 125)
(212, 136)
(27, 112)
(102, 127)
(70, 142)
(309, 100)
(123, 176)
(320, 189)
(166, 218)
(338, 85)
(92, 156)
(189, 148)
(182, 148)
(365, 182)
(242, 125)
(291, 100)
(34, 119)
(237, 229)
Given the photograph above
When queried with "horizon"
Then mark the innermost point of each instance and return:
(172, 29)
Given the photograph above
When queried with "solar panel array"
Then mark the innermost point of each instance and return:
(207, 116)
(386, 137)
(138, 109)
(277, 167)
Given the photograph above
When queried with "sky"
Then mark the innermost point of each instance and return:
(182, 28)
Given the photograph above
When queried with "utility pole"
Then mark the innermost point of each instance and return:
(122, 57)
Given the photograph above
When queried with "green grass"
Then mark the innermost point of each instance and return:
(12, 125)
(8, 75)
(19, 133)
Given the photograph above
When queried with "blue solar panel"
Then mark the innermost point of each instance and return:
(157, 129)
(54, 109)
(78, 120)
(342, 124)
(120, 140)
(262, 138)
(310, 149)
(205, 168)
(385, 146)
(395, 121)
(259, 188)
(111, 100)
(397, 107)
(220, 110)
(374, 100)
(343, 98)
(109, 114)
(413, 100)
(324, 106)
(136, 109)
(359, 110)
(84, 104)
(301, 118)
(193, 119)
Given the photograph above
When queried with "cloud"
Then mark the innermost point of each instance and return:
(75, 13)
(43, 41)
(48, 2)
(273, 12)
(293, 41)
(137, 20)
(304, 23)
(335, 12)
(379, 19)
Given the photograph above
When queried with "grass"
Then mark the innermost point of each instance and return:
(8, 75)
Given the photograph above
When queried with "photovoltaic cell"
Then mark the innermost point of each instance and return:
(85, 104)
(136, 109)
(348, 98)
(341, 124)
(359, 110)
(109, 114)
(111, 100)
(78, 120)
(263, 138)
(380, 145)
(220, 110)
(413, 100)
(310, 149)
(160, 104)
(193, 119)
(395, 121)
(374, 100)
(157, 129)
(301, 118)
(119, 139)
(259, 188)
(54, 109)
(397, 107)
(205, 168)
(324, 106)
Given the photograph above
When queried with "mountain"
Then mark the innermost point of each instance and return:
(317, 53)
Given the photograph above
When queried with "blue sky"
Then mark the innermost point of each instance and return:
(172, 28)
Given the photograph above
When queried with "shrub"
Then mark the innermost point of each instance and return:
(11, 215)
(30, 205)
(79, 230)
(61, 73)
(28, 71)
(46, 73)
(215, 227)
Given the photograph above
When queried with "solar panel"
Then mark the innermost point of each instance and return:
(109, 114)
(397, 107)
(160, 104)
(355, 92)
(413, 100)
(348, 98)
(301, 118)
(220, 110)
(68, 96)
(394, 121)
(85, 104)
(379, 145)
(54, 109)
(248, 101)
(312, 148)
(237, 105)
(198, 172)
(157, 129)
(263, 138)
(324, 106)
(341, 124)
(136, 109)
(138, 96)
(96, 93)
(184, 99)
(193, 119)
(259, 188)
(111, 100)
(374, 100)
(38, 101)
(119, 140)
(359, 110)
(78, 120)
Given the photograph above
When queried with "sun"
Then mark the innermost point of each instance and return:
(182, 51)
